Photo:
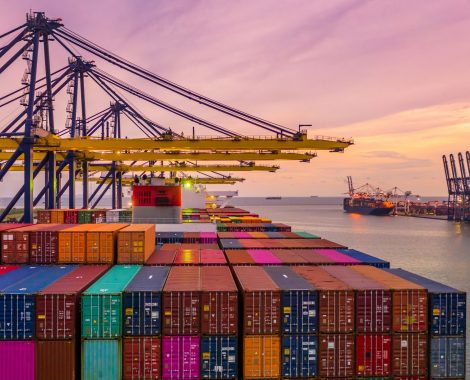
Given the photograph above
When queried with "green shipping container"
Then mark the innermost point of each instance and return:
(125, 216)
(84, 216)
(307, 235)
(102, 303)
(101, 359)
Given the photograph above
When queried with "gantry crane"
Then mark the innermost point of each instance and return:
(84, 142)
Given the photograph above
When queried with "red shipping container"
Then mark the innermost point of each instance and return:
(71, 216)
(159, 257)
(336, 304)
(373, 300)
(181, 357)
(181, 301)
(98, 216)
(57, 306)
(15, 244)
(44, 244)
(17, 359)
(44, 216)
(219, 301)
(261, 301)
(141, 357)
(410, 354)
(373, 355)
(188, 257)
(336, 355)
(409, 300)
(212, 257)
(239, 257)
(4, 269)
(56, 359)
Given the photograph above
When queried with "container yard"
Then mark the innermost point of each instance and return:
(117, 263)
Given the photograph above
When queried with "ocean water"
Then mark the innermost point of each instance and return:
(436, 249)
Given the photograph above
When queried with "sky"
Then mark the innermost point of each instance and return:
(393, 75)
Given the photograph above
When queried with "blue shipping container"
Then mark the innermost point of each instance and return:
(447, 357)
(447, 306)
(298, 300)
(219, 357)
(101, 359)
(142, 302)
(299, 356)
(18, 300)
(231, 244)
(365, 258)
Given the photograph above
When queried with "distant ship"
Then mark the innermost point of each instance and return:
(273, 198)
(369, 202)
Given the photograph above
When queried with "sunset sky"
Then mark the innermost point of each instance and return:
(393, 75)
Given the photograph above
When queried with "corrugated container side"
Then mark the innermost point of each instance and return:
(141, 358)
(365, 258)
(101, 243)
(410, 354)
(219, 301)
(373, 355)
(142, 302)
(299, 356)
(56, 360)
(447, 357)
(72, 244)
(219, 357)
(135, 243)
(299, 301)
(181, 357)
(261, 357)
(15, 245)
(336, 355)
(160, 257)
(44, 244)
(17, 360)
(101, 359)
(261, 299)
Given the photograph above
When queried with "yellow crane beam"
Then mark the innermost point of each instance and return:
(201, 181)
(54, 143)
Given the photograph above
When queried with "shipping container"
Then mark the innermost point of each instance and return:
(44, 244)
(101, 243)
(447, 306)
(373, 355)
(4, 269)
(180, 357)
(365, 258)
(136, 243)
(17, 359)
(336, 301)
(410, 354)
(264, 257)
(336, 356)
(43, 216)
(18, 299)
(188, 257)
(169, 237)
(57, 305)
(162, 257)
(337, 257)
(261, 301)
(290, 257)
(299, 356)
(101, 359)
(219, 357)
(373, 300)
(84, 216)
(219, 301)
(15, 244)
(72, 244)
(141, 357)
(239, 257)
(306, 235)
(101, 304)
(447, 357)
(299, 301)
(142, 302)
(56, 360)
(213, 257)
(261, 357)
(181, 301)
(409, 300)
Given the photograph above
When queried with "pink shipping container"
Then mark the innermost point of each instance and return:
(338, 257)
(208, 237)
(264, 256)
(17, 360)
(241, 235)
(180, 357)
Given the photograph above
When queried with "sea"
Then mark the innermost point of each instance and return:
(433, 248)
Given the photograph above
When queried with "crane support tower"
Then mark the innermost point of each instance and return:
(458, 186)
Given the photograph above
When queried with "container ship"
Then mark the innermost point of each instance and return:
(367, 201)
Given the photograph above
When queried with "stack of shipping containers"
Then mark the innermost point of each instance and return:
(18, 290)
(447, 326)
(101, 243)
(135, 243)
(57, 318)
(260, 323)
(101, 329)
(299, 341)
(142, 306)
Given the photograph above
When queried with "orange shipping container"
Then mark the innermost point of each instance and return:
(261, 357)
(57, 216)
(136, 243)
(101, 243)
(72, 244)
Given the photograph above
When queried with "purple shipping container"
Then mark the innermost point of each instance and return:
(339, 257)
(17, 359)
(180, 357)
(264, 256)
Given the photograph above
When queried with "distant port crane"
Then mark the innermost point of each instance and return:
(458, 186)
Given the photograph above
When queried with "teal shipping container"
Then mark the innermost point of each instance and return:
(101, 359)
(102, 303)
